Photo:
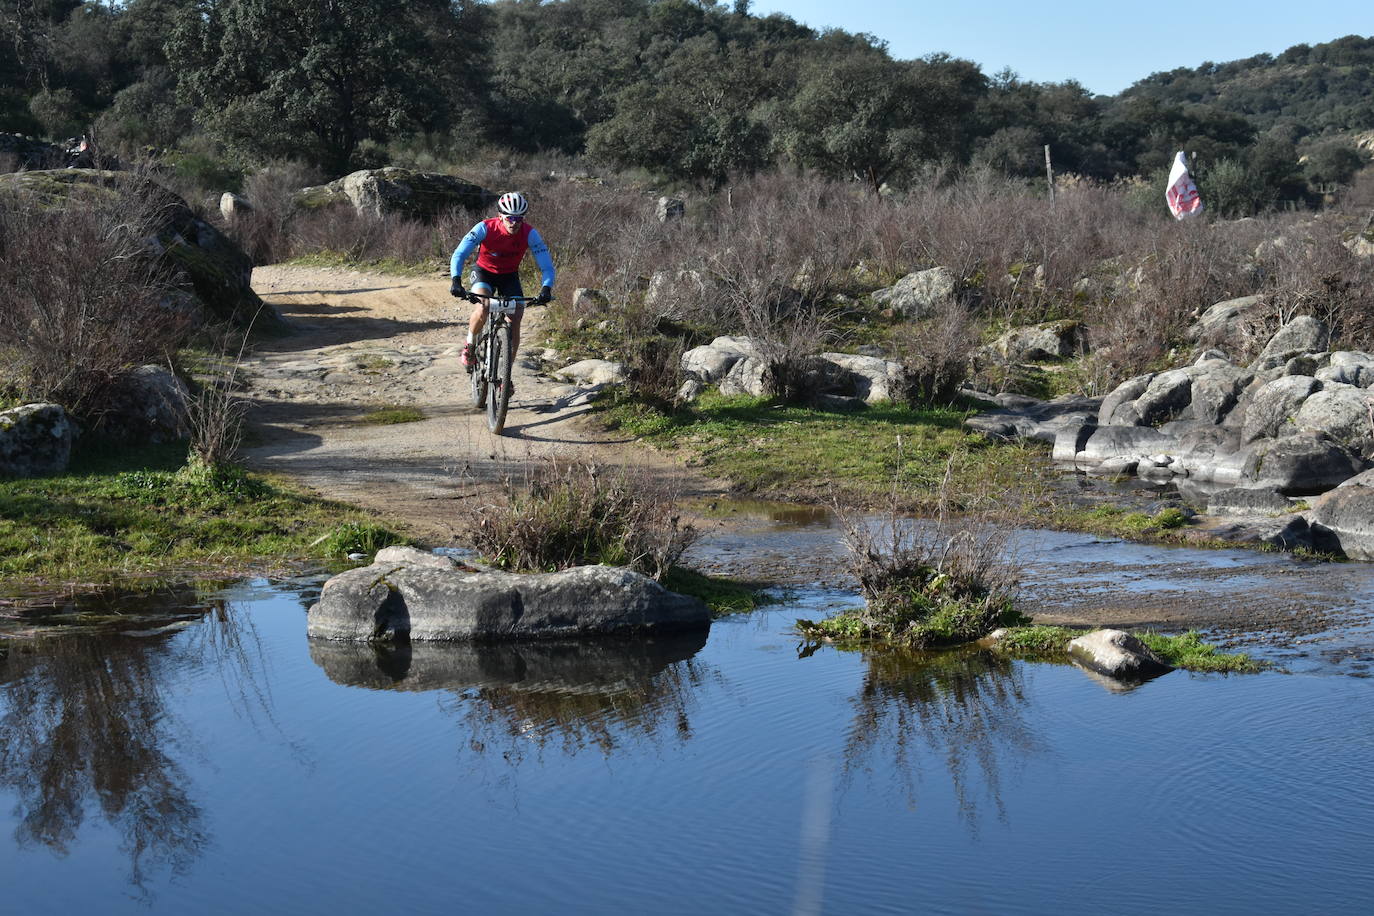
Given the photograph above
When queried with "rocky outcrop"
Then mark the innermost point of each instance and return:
(402, 596)
(1297, 421)
(379, 192)
(734, 364)
(1118, 655)
(202, 260)
(35, 440)
(1020, 417)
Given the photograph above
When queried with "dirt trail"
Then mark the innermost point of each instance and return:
(363, 342)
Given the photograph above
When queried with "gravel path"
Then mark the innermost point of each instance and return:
(364, 342)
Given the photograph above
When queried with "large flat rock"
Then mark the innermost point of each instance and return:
(390, 599)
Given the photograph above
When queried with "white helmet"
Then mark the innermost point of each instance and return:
(512, 203)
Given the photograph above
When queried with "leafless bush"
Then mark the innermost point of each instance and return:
(782, 248)
(936, 353)
(264, 232)
(84, 301)
(1312, 272)
(563, 515)
(215, 413)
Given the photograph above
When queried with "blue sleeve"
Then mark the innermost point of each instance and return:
(467, 246)
(541, 256)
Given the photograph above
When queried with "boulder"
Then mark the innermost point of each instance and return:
(593, 372)
(1217, 387)
(1302, 335)
(409, 600)
(1118, 407)
(202, 259)
(35, 440)
(669, 209)
(666, 291)
(1117, 654)
(586, 299)
(419, 195)
(746, 377)
(1224, 324)
(868, 378)
(1289, 532)
(1349, 367)
(1343, 412)
(232, 205)
(1269, 410)
(149, 404)
(1021, 417)
(1050, 340)
(710, 363)
(1165, 398)
(1346, 516)
(918, 295)
(1297, 465)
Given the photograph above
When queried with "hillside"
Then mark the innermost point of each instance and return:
(1314, 88)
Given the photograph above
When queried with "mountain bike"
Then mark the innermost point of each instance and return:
(490, 376)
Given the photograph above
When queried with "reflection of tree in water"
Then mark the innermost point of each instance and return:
(565, 694)
(84, 720)
(962, 706)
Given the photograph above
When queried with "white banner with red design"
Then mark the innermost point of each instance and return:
(1182, 196)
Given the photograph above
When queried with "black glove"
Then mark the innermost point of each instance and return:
(456, 288)
(544, 296)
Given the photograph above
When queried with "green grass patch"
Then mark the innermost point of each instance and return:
(1166, 525)
(120, 514)
(1188, 651)
(800, 452)
(722, 595)
(390, 416)
(396, 266)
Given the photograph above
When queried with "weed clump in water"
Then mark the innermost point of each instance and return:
(935, 582)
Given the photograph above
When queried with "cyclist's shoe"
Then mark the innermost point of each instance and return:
(468, 357)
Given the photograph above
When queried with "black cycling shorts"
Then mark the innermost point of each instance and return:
(501, 284)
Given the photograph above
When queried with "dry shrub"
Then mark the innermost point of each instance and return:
(1311, 272)
(936, 352)
(777, 251)
(568, 514)
(84, 300)
(264, 232)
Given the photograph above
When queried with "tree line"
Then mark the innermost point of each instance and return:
(689, 90)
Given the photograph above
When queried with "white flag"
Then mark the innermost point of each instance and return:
(1182, 195)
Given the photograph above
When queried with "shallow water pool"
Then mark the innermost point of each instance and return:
(234, 766)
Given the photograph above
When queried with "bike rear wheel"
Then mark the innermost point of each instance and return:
(477, 376)
(498, 395)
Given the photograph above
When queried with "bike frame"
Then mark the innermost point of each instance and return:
(491, 375)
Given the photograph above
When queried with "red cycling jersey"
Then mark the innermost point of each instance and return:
(501, 251)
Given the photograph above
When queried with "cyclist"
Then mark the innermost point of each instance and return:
(500, 243)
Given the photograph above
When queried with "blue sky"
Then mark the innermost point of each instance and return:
(1105, 46)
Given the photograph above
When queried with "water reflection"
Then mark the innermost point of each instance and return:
(87, 730)
(964, 708)
(564, 694)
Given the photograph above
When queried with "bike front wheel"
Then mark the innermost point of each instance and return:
(498, 393)
(477, 376)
